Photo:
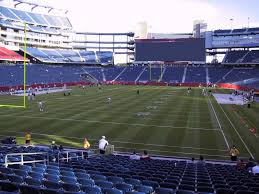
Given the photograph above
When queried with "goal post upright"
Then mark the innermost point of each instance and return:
(24, 67)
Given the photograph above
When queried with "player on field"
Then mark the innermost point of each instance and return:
(29, 96)
(189, 90)
(41, 106)
(109, 99)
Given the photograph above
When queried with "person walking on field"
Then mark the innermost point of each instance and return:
(233, 152)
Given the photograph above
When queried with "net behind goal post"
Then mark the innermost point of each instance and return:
(152, 67)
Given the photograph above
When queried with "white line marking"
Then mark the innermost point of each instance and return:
(123, 142)
(182, 153)
(112, 89)
(237, 132)
(220, 126)
(110, 122)
(159, 145)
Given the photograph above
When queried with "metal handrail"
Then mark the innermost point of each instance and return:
(22, 162)
(67, 158)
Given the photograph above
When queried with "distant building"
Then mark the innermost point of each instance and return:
(199, 28)
(141, 30)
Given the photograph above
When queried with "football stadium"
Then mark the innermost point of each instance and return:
(126, 112)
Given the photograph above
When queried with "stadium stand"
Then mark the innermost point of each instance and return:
(251, 57)
(104, 56)
(155, 74)
(195, 74)
(241, 57)
(173, 74)
(34, 18)
(234, 56)
(42, 74)
(70, 56)
(119, 174)
(222, 31)
(8, 55)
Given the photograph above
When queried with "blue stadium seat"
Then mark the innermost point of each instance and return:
(124, 187)
(66, 179)
(6, 170)
(153, 184)
(52, 171)
(184, 192)
(82, 175)
(26, 189)
(225, 191)
(38, 169)
(21, 173)
(115, 179)
(51, 185)
(187, 187)
(41, 165)
(9, 187)
(112, 191)
(244, 192)
(32, 181)
(50, 191)
(132, 181)
(35, 175)
(52, 177)
(67, 173)
(15, 179)
(91, 189)
(79, 170)
(168, 185)
(86, 182)
(70, 187)
(25, 168)
(144, 189)
(134, 192)
(205, 189)
(104, 184)
(98, 177)
(3, 176)
(161, 190)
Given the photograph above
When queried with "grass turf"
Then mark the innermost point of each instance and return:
(163, 120)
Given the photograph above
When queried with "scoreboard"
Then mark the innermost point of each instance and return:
(170, 50)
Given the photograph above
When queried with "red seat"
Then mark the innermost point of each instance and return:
(9, 55)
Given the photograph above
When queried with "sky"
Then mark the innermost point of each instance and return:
(162, 16)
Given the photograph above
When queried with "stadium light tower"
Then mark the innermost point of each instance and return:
(231, 23)
(248, 22)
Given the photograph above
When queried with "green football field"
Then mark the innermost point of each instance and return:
(162, 120)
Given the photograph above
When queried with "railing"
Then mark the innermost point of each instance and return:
(22, 161)
(65, 155)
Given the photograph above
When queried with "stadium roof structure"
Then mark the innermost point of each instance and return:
(35, 4)
(131, 34)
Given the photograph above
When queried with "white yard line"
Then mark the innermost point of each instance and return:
(110, 122)
(183, 153)
(99, 109)
(112, 89)
(237, 132)
(123, 142)
(219, 124)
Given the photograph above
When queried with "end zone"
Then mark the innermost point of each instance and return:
(229, 99)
